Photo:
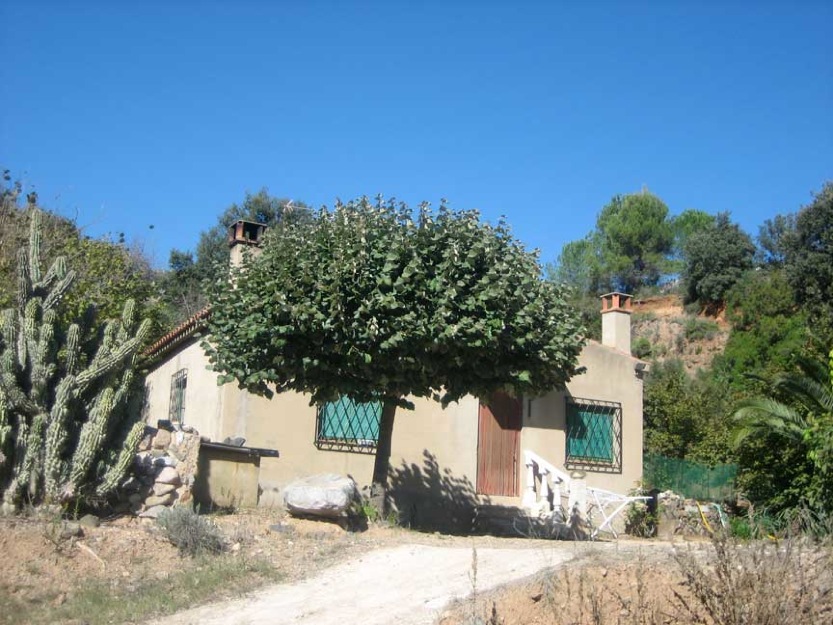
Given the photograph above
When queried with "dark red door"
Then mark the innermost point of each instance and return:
(498, 446)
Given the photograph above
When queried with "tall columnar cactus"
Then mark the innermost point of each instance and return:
(65, 411)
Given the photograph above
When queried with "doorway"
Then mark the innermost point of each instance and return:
(498, 446)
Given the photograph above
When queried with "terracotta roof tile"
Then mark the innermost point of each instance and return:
(193, 324)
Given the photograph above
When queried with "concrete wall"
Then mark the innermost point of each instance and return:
(433, 448)
(226, 478)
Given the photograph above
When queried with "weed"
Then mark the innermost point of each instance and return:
(368, 511)
(474, 617)
(763, 583)
(640, 520)
(59, 533)
(643, 317)
(191, 533)
(741, 528)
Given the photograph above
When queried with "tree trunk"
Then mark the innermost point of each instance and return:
(381, 467)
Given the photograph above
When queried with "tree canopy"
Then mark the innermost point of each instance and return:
(182, 286)
(635, 237)
(629, 248)
(683, 226)
(716, 258)
(773, 237)
(809, 259)
(374, 302)
(108, 272)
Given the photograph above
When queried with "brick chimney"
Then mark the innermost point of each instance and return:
(243, 234)
(616, 321)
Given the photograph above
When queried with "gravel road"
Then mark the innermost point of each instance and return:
(405, 585)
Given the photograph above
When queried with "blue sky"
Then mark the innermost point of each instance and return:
(127, 116)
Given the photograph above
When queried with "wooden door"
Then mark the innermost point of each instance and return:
(498, 446)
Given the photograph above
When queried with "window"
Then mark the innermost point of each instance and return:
(594, 435)
(179, 381)
(348, 426)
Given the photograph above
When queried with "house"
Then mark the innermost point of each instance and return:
(507, 451)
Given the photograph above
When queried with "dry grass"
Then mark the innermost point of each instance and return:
(727, 582)
(760, 583)
(100, 602)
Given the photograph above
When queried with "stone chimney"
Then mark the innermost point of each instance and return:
(616, 321)
(243, 234)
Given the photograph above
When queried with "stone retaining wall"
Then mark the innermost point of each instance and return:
(164, 472)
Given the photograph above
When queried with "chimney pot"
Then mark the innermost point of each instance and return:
(243, 233)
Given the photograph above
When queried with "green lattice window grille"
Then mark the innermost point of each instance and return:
(594, 435)
(346, 425)
(179, 382)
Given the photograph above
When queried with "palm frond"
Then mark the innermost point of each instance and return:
(814, 394)
(762, 415)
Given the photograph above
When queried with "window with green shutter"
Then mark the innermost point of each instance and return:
(348, 426)
(594, 435)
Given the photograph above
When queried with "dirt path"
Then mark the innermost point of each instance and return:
(406, 585)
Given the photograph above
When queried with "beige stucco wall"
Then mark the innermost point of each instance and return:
(203, 398)
(610, 376)
(287, 423)
(449, 436)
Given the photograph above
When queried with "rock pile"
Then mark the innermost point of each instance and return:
(164, 471)
(681, 516)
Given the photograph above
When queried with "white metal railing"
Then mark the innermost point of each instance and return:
(554, 483)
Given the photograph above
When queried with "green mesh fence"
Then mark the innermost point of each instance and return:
(690, 479)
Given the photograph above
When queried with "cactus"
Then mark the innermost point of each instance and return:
(67, 423)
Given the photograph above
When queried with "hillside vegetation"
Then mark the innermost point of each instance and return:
(738, 330)
(662, 330)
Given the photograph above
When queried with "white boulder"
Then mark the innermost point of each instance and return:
(326, 495)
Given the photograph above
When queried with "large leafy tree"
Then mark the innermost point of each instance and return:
(768, 329)
(580, 267)
(808, 255)
(182, 286)
(628, 248)
(374, 302)
(716, 258)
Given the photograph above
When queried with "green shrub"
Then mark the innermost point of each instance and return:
(191, 533)
(696, 329)
(642, 348)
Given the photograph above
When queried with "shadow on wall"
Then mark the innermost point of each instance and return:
(429, 498)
